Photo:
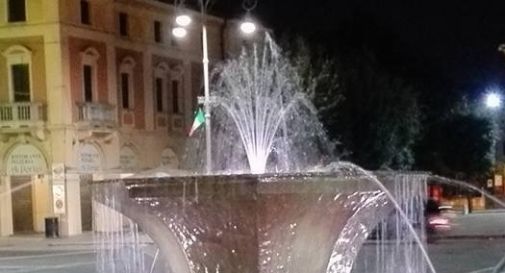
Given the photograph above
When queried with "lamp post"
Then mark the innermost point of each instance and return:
(182, 21)
(493, 101)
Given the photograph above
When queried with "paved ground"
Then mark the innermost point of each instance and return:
(479, 224)
(466, 255)
(475, 245)
(47, 262)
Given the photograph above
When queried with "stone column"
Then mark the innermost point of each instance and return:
(58, 83)
(71, 220)
(6, 225)
(41, 202)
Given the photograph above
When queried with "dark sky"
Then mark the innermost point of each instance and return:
(453, 41)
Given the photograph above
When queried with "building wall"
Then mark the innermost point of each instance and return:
(58, 41)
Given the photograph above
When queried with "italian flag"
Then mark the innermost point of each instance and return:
(199, 120)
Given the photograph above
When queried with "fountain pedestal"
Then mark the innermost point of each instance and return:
(247, 224)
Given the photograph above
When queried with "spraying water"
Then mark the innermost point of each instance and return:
(266, 123)
(407, 201)
(260, 99)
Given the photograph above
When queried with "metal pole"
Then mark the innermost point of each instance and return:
(208, 143)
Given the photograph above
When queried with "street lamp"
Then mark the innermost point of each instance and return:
(182, 21)
(493, 101)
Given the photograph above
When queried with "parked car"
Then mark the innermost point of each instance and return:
(437, 220)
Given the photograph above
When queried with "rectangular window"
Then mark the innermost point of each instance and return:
(85, 18)
(17, 10)
(123, 24)
(157, 31)
(125, 90)
(21, 82)
(175, 97)
(88, 82)
(159, 95)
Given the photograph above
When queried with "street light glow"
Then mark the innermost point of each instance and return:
(183, 20)
(493, 100)
(248, 27)
(179, 32)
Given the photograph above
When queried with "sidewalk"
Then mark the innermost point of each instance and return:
(37, 242)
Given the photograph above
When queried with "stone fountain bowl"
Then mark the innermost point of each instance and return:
(275, 223)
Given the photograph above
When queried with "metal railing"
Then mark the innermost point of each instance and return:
(96, 112)
(21, 112)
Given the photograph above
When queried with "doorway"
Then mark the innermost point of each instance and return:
(22, 204)
(86, 202)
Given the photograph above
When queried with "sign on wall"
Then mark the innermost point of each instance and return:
(59, 199)
(90, 159)
(169, 159)
(498, 180)
(128, 159)
(26, 159)
(490, 183)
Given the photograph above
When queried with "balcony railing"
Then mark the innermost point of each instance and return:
(97, 113)
(21, 114)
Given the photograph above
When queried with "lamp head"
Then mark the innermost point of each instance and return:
(179, 32)
(493, 100)
(248, 27)
(183, 20)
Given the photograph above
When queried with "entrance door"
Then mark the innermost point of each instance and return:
(22, 207)
(86, 209)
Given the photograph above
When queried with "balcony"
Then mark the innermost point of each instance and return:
(97, 115)
(17, 115)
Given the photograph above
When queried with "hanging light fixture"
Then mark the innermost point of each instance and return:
(182, 20)
(248, 26)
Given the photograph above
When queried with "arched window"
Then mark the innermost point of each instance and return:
(160, 86)
(89, 59)
(126, 83)
(19, 62)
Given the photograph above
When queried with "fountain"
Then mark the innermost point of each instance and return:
(299, 219)
(261, 110)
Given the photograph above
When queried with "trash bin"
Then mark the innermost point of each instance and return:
(52, 227)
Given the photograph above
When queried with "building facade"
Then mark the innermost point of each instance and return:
(87, 87)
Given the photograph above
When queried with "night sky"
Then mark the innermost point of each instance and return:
(450, 42)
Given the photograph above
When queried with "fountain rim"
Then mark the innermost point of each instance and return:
(261, 178)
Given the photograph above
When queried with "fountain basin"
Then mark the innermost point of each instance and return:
(297, 223)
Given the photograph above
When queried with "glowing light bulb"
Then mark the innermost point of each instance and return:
(248, 27)
(493, 100)
(183, 20)
(179, 32)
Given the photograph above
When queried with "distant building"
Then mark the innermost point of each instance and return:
(87, 87)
